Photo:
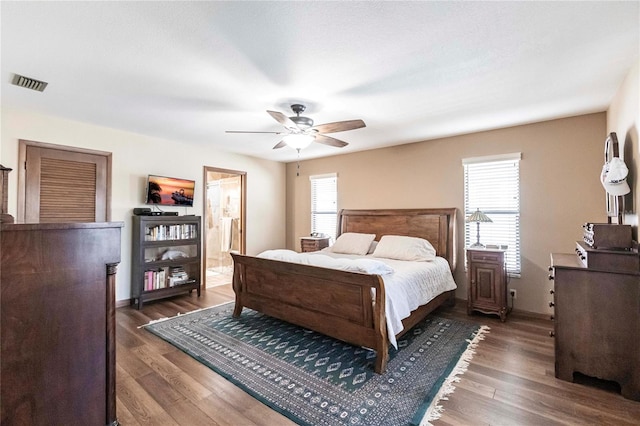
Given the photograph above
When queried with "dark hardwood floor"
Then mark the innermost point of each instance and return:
(509, 382)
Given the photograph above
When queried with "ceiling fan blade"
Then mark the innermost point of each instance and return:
(339, 126)
(328, 140)
(280, 144)
(283, 119)
(249, 131)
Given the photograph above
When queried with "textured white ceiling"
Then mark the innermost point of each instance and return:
(188, 71)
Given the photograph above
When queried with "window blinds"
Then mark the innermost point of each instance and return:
(492, 184)
(324, 204)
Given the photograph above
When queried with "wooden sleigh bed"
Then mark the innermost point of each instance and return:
(337, 303)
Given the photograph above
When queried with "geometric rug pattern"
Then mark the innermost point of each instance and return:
(316, 380)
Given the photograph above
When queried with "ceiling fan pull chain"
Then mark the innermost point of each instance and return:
(298, 163)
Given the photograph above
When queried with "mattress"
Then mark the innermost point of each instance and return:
(408, 285)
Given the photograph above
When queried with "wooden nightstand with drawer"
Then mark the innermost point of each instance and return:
(313, 243)
(487, 285)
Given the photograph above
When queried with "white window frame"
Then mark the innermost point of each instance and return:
(492, 184)
(324, 204)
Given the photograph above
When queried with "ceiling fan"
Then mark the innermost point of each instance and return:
(300, 131)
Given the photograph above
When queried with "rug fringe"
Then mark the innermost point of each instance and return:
(435, 410)
(179, 315)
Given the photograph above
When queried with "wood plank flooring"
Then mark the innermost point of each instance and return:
(509, 382)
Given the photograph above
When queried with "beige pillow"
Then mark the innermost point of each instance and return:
(353, 243)
(405, 248)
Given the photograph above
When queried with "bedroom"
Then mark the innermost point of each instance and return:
(560, 188)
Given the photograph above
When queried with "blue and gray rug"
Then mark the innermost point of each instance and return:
(316, 380)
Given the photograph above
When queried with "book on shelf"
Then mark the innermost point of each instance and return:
(165, 277)
(154, 279)
(180, 231)
(177, 276)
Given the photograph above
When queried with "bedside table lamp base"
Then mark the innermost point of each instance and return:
(477, 244)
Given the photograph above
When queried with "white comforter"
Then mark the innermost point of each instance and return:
(407, 284)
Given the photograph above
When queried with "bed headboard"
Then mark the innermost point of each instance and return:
(438, 226)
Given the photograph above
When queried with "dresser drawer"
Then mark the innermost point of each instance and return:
(481, 256)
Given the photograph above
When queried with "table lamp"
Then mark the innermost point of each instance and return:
(478, 217)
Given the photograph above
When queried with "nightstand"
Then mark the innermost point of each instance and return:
(487, 283)
(313, 243)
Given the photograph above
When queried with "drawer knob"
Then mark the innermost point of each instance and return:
(551, 304)
(552, 318)
(551, 277)
(552, 334)
(551, 291)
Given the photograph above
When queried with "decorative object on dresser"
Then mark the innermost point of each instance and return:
(614, 180)
(5, 217)
(478, 217)
(596, 302)
(487, 283)
(607, 235)
(620, 260)
(309, 244)
(338, 303)
(57, 321)
(166, 257)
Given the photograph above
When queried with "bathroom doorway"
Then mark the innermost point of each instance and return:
(224, 220)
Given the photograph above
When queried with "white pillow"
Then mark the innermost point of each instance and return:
(353, 243)
(405, 248)
(372, 247)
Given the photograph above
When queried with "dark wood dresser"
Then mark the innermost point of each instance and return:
(597, 317)
(57, 320)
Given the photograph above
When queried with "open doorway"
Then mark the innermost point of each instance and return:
(224, 219)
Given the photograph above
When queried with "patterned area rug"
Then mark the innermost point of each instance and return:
(316, 380)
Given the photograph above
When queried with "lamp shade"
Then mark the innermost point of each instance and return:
(298, 141)
(478, 216)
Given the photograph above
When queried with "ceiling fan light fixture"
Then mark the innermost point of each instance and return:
(298, 141)
(303, 123)
(300, 131)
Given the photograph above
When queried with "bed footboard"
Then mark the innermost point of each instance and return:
(336, 303)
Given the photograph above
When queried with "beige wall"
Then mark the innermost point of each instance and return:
(560, 188)
(623, 117)
(136, 156)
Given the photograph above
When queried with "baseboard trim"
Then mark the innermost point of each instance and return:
(519, 312)
(122, 303)
(531, 315)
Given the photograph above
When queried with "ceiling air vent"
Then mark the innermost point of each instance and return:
(29, 83)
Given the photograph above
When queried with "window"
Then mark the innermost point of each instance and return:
(324, 204)
(492, 184)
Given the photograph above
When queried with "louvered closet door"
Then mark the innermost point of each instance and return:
(65, 186)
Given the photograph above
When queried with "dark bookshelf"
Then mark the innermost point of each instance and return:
(166, 257)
